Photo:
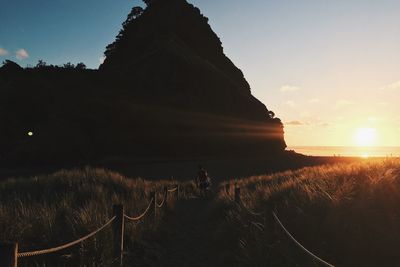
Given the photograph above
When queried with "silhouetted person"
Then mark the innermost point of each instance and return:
(203, 181)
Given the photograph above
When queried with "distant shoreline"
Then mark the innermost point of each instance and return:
(347, 151)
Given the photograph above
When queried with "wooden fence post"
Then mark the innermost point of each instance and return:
(118, 229)
(237, 195)
(166, 198)
(8, 254)
(227, 187)
(153, 195)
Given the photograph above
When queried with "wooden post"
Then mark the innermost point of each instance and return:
(118, 229)
(227, 187)
(237, 195)
(8, 254)
(166, 198)
(178, 191)
(153, 195)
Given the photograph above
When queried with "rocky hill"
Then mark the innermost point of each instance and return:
(165, 90)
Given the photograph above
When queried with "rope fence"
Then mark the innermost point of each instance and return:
(172, 190)
(65, 246)
(239, 202)
(139, 217)
(9, 253)
(163, 200)
(298, 243)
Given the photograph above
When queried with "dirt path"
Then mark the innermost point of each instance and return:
(194, 234)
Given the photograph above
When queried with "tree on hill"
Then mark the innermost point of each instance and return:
(134, 14)
(41, 64)
(68, 65)
(270, 114)
(148, 2)
(80, 66)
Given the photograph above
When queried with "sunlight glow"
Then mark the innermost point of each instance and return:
(365, 136)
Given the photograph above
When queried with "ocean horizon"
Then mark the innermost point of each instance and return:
(347, 151)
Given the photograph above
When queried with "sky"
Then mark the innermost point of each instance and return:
(329, 69)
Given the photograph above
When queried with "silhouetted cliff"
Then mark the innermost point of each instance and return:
(171, 51)
(166, 89)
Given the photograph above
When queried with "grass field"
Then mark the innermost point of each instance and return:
(49, 210)
(348, 214)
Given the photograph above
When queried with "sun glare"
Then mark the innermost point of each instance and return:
(365, 136)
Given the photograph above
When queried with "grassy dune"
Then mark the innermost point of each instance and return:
(44, 211)
(349, 214)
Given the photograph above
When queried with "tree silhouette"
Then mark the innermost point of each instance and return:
(148, 2)
(134, 14)
(68, 65)
(41, 64)
(270, 114)
(80, 66)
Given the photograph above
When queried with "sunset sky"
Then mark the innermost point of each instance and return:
(329, 69)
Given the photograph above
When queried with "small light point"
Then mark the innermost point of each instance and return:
(30, 133)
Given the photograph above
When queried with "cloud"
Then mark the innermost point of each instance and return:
(21, 54)
(294, 123)
(343, 103)
(289, 88)
(313, 101)
(3, 52)
(392, 86)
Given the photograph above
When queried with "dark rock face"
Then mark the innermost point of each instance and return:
(166, 89)
(170, 50)
(170, 56)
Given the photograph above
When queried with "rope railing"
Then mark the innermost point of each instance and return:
(239, 202)
(163, 200)
(299, 244)
(65, 246)
(9, 253)
(172, 190)
(139, 217)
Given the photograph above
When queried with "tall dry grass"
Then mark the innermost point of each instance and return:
(49, 210)
(348, 214)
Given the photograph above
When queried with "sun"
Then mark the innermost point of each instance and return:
(365, 136)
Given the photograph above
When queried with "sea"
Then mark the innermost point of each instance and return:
(347, 151)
